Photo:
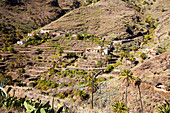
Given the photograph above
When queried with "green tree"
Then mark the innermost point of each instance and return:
(143, 56)
(119, 107)
(134, 48)
(164, 108)
(107, 58)
(3, 49)
(60, 51)
(132, 59)
(70, 55)
(11, 50)
(82, 95)
(128, 79)
(126, 55)
(109, 68)
(47, 34)
(137, 83)
(79, 37)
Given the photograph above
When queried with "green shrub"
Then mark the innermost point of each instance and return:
(70, 55)
(31, 84)
(21, 71)
(61, 96)
(54, 85)
(161, 50)
(11, 50)
(84, 57)
(63, 65)
(70, 61)
(162, 10)
(115, 65)
(38, 57)
(44, 88)
(43, 60)
(82, 95)
(109, 68)
(48, 61)
(110, 77)
(143, 56)
(19, 56)
(164, 108)
(45, 85)
(135, 48)
(73, 100)
(51, 71)
(147, 37)
(119, 107)
(3, 49)
(79, 37)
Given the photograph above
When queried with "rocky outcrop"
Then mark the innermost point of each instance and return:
(53, 3)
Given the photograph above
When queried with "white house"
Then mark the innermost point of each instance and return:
(30, 34)
(151, 51)
(21, 42)
(56, 34)
(116, 70)
(62, 32)
(44, 31)
(117, 42)
(74, 35)
(97, 49)
(93, 49)
(102, 39)
(105, 51)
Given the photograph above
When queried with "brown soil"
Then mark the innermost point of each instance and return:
(103, 18)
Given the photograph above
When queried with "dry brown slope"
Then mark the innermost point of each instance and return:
(156, 70)
(161, 11)
(104, 18)
(28, 15)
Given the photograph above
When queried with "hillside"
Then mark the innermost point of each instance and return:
(29, 15)
(103, 18)
(19, 17)
(66, 44)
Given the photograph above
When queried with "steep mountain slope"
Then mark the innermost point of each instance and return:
(28, 15)
(105, 18)
(18, 17)
(161, 11)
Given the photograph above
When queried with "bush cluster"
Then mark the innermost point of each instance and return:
(45, 85)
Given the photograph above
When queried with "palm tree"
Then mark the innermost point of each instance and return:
(119, 107)
(60, 51)
(164, 108)
(128, 78)
(107, 58)
(137, 83)
(94, 85)
(126, 55)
